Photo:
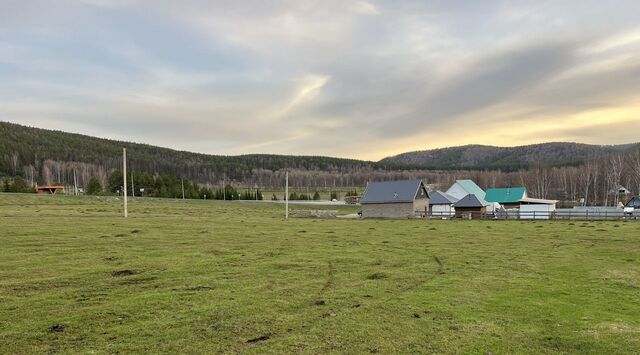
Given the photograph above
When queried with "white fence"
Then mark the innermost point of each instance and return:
(559, 214)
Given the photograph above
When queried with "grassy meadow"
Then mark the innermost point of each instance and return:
(235, 277)
(325, 193)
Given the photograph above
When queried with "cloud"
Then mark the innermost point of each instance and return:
(616, 41)
(365, 8)
(310, 87)
(360, 79)
(491, 80)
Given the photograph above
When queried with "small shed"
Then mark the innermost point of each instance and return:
(462, 188)
(441, 204)
(621, 190)
(394, 199)
(507, 197)
(50, 190)
(536, 208)
(470, 207)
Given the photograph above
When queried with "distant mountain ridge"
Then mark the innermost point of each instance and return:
(22, 146)
(474, 157)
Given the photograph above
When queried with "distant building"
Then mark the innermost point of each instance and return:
(470, 207)
(507, 197)
(462, 188)
(352, 200)
(50, 190)
(620, 190)
(394, 199)
(441, 204)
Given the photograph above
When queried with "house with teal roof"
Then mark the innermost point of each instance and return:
(462, 188)
(508, 197)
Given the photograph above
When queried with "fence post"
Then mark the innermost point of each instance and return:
(534, 215)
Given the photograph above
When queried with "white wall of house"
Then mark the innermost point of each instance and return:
(537, 211)
(442, 210)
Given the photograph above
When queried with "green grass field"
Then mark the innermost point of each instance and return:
(325, 193)
(230, 277)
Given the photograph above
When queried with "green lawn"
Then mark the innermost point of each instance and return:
(230, 277)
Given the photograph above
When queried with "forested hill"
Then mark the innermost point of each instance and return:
(43, 156)
(22, 146)
(481, 157)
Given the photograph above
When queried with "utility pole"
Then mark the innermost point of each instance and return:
(182, 182)
(224, 188)
(124, 177)
(133, 190)
(286, 196)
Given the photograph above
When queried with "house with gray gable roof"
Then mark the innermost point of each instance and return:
(470, 207)
(394, 199)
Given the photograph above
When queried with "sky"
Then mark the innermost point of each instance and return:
(358, 79)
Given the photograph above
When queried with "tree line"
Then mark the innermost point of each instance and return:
(595, 182)
(167, 186)
(15, 184)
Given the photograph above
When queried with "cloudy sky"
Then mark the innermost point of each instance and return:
(362, 79)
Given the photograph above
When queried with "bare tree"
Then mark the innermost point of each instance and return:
(14, 162)
(589, 169)
(29, 172)
(635, 167)
(561, 176)
(613, 173)
(540, 179)
(596, 178)
(46, 174)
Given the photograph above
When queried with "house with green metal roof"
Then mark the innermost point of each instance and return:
(462, 188)
(508, 197)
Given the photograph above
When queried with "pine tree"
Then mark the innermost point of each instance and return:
(115, 181)
(19, 185)
(94, 187)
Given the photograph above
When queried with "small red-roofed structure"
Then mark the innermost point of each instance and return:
(51, 190)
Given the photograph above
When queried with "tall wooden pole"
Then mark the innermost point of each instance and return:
(182, 182)
(124, 177)
(286, 196)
